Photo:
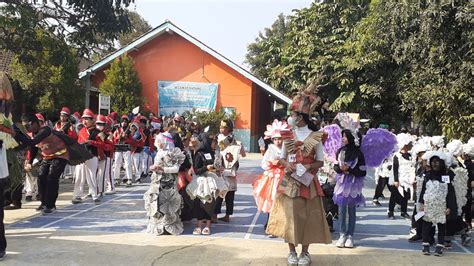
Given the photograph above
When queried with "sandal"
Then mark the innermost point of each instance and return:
(206, 231)
(197, 231)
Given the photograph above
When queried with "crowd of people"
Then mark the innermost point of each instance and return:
(312, 174)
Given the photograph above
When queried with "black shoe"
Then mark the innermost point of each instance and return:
(376, 203)
(465, 240)
(405, 215)
(2, 254)
(49, 210)
(391, 216)
(12, 207)
(29, 198)
(415, 238)
(426, 250)
(439, 251)
(448, 244)
(40, 208)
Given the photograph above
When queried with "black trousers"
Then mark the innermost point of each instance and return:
(48, 181)
(383, 181)
(455, 226)
(428, 229)
(467, 212)
(229, 203)
(395, 198)
(3, 241)
(13, 195)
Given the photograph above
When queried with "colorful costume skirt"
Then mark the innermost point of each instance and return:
(265, 188)
(348, 190)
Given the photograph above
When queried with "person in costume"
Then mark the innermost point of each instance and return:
(55, 157)
(206, 187)
(184, 178)
(163, 202)
(382, 174)
(468, 161)
(455, 224)
(351, 170)
(297, 214)
(104, 172)
(230, 151)
(403, 176)
(87, 171)
(265, 187)
(122, 155)
(422, 168)
(437, 199)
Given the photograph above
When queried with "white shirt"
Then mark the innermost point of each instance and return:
(3, 162)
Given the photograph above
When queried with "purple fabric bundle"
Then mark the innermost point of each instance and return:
(334, 140)
(377, 145)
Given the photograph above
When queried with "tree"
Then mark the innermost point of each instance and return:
(49, 81)
(81, 23)
(138, 26)
(122, 84)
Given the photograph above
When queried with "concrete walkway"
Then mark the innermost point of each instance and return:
(112, 233)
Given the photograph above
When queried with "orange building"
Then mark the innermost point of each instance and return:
(167, 53)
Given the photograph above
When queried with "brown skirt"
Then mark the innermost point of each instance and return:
(299, 220)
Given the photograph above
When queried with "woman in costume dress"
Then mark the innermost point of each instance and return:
(351, 171)
(162, 201)
(206, 187)
(298, 215)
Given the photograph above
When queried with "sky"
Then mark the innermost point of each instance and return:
(227, 26)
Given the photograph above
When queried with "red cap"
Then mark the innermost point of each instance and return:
(113, 115)
(101, 119)
(87, 113)
(40, 117)
(109, 121)
(65, 111)
(155, 120)
(76, 114)
(125, 117)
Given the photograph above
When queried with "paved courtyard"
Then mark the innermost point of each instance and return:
(120, 221)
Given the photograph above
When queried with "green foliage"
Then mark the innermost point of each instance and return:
(392, 61)
(81, 23)
(212, 119)
(49, 80)
(123, 86)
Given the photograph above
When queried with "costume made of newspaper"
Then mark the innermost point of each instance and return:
(163, 202)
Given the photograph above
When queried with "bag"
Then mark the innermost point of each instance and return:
(77, 153)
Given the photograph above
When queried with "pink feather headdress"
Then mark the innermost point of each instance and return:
(277, 129)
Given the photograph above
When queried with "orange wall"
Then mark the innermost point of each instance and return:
(170, 57)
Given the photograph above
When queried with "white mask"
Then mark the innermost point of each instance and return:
(292, 121)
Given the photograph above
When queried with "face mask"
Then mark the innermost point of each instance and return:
(100, 127)
(292, 121)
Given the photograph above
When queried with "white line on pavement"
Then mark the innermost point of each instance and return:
(89, 209)
(462, 247)
(249, 232)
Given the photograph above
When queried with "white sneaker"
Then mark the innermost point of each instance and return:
(342, 240)
(292, 259)
(304, 259)
(349, 242)
(110, 192)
